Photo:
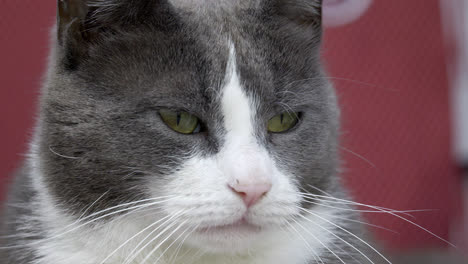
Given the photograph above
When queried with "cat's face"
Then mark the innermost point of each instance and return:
(230, 176)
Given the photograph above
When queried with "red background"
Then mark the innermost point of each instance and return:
(389, 69)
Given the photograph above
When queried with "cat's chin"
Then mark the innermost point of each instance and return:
(232, 238)
(238, 227)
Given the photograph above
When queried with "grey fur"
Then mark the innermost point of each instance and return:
(118, 62)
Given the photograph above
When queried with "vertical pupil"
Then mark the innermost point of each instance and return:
(282, 117)
(178, 119)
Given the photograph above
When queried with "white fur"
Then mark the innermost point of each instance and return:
(241, 159)
(202, 193)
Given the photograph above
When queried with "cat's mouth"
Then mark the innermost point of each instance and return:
(241, 226)
(236, 237)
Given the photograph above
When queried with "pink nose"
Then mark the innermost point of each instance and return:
(250, 193)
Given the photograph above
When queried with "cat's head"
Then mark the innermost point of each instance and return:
(218, 114)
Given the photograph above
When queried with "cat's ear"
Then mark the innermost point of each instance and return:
(307, 13)
(71, 36)
(70, 15)
(81, 23)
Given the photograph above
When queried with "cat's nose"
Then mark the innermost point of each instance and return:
(250, 193)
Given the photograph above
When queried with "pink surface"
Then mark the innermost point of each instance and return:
(395, 107)
(396, 115)
(24, 31)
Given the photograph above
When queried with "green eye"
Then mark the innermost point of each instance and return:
(181, 122)
(283, 122)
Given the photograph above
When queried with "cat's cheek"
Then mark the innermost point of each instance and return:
(198, 191)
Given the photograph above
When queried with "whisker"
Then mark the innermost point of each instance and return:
(168, 198)
(124, 205)
(134, 208)
(359, 156)
(322, 203)
(133, 237)
(170, 245)
(406, 220)
(331, 197)
(377, 209)
(91, 206)
(345, 230)
(291, 238)
(333, 234)
(316, 238)
(305, 241)
(61, 155)
(159, 245)
(388, 211)
(362, 222)
(198, 255)
(288, 109)
(135, 252)
(174, 258)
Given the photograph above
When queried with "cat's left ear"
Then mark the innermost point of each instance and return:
(307, 13)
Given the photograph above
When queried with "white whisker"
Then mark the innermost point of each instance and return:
(291, 238)
(91, 206)
(348, 232)
(363, 223)
(359, 156)
(333, 234)
(170, 245)
(134, 208)
(107, 215)
(174, 258)
(380, 208)
(164, 240)
(395, 213)
(377, 209)
(133, 237)
(135, 252)
(305, 241)
(127, 204)
(316, 238)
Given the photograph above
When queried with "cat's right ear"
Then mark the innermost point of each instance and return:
(81, 23)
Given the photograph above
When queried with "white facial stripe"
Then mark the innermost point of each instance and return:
(246, 165)
(238, 111)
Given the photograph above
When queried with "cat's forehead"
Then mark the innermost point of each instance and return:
(186, 66)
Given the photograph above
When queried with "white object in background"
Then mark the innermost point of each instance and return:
(341, 12)
(455, 22)
(455, 19)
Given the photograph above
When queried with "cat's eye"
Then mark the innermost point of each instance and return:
(283, 122)
(181, 121)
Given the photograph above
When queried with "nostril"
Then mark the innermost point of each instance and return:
(240, 193)
(250, 193)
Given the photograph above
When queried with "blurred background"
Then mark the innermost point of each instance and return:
(401, 71)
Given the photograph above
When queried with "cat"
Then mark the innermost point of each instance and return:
(176, 131)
